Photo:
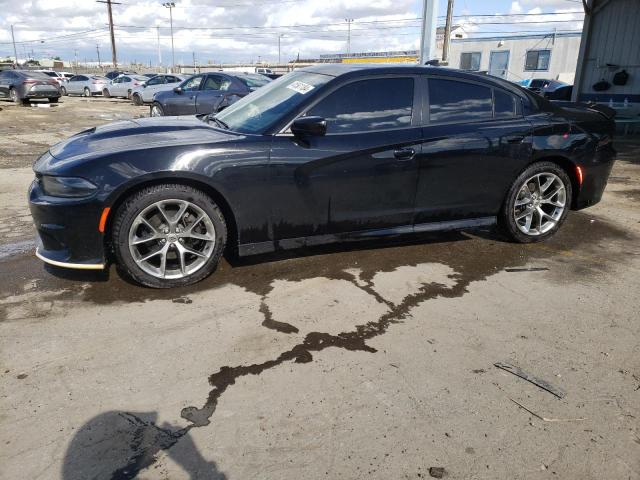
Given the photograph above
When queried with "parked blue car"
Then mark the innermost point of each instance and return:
(206, 93)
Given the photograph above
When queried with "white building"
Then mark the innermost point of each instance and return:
(519, 57)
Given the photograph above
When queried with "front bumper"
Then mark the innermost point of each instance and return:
(67, 230)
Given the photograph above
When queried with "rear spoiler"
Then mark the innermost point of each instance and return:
(607, 112)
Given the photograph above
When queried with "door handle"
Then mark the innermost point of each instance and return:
(514, 139)
(404, 153)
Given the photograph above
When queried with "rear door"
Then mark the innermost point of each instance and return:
(362, 174)
(476, 140)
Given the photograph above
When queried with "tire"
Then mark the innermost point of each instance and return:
(137, 99)
(128, 94)
(13, 95)
(140, 216)
(86, 92)
(532, 213)
(63, 91)
(106, 94)
(53, 99)
(156, 110)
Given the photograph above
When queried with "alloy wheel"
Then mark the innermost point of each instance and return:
(539, 204)
(13, 95)
(156, 111)
(87, 92)
(171, 239)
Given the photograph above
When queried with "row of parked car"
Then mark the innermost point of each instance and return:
(167, 94)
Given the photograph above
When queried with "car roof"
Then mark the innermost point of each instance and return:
(363, 69)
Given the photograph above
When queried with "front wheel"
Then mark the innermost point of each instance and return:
(137, 99)
(168, 236)
(105, 93)
(63, 91)
(537, 203)
(157, 110)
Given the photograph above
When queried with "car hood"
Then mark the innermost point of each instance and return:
(139, 134)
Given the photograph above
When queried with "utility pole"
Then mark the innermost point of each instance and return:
(13, 39)
(348, 20)
(447, 33)
(159, 51)
(280, 35)
(194, 61)
(171, 6)
(98, 50)
(114, 57)
(428, 37)
(75, 54)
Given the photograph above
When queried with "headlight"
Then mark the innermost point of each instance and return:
(66, 186)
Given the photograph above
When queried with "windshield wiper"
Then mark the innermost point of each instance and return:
(219, 122)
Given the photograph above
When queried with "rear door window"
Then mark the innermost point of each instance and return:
(504, 104)
(367, 105)
(455, 101)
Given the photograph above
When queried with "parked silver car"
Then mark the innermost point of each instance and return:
(85, 85)
(144, 93)
(58, 77)
(123, 85)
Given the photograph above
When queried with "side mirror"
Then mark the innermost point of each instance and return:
(309, 126)
(177, 89)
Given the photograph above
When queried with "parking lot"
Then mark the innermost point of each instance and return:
(372, 360)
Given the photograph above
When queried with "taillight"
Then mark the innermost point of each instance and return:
(30, 82)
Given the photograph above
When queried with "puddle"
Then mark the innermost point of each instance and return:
(17, 248)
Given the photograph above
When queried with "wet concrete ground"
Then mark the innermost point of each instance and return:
(371, 360)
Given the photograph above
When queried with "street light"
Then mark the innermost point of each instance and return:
(348, 20)
(171, 6)
(279, 37)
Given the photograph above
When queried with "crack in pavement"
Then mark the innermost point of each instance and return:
(354, 340)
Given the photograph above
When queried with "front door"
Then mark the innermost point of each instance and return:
(361, 175)
(184, 103)
(475, 143)
(499, 63)
(211, 93)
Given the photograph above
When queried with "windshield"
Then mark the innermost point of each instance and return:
(51, 74)
(261, 108)
(254, 81)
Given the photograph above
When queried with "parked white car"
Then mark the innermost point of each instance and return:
(122, 86)
(144, 93)
(85, 85)
(55, 75)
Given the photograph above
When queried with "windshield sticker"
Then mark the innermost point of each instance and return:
(300, 87)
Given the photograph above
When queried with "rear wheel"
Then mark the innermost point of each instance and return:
(537, 203)
(86, 92)
(137, 99)
(105, 93)
(168, 236)
(157, 110)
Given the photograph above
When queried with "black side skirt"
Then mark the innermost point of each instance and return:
(300, 242)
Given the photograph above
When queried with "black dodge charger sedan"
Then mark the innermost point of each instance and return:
(325, 154)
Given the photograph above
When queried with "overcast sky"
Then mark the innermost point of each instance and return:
(248, 30)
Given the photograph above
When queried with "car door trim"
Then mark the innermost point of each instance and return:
(248, 249)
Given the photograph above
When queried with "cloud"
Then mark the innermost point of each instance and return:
(213, 30)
